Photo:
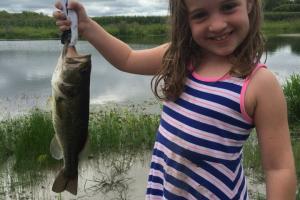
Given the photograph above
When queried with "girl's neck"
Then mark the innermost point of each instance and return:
(213, 66)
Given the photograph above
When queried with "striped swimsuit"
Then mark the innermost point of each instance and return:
(198, 148)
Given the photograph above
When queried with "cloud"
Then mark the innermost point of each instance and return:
(93, 7)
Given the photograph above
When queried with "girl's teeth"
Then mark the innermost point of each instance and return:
(221, 38)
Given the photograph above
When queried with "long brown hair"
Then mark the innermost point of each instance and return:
(169, 83)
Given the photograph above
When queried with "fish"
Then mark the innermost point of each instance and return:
(70, 115)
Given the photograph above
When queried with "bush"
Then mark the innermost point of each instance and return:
(280, 16)
(288, 8)
(291, 90)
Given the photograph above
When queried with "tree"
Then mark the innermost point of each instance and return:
(268, 5)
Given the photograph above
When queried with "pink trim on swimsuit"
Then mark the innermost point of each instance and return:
(210, 79)
(191, 68)
(243, 92)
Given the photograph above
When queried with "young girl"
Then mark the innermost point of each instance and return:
(215, 91)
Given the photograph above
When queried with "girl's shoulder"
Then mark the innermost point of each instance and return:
(262, 78)
(262, 86)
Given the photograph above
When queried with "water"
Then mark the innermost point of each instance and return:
(27, 66)
(121, 176)
(26, 70)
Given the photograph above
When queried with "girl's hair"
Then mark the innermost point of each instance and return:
(183, 50)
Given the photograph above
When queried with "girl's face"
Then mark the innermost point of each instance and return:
(218, 26)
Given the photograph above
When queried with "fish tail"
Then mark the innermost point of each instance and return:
(62, 183)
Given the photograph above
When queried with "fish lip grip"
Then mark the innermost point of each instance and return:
(70, 36)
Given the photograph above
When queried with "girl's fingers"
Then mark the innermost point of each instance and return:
(59, 15)
(64, 28)
(58, 5)
(63, 23)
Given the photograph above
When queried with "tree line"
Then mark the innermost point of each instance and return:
(40, 20)
(281, 5)
(31, 25)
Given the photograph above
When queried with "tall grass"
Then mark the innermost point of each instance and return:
(28, 137)
(291, 90)
(252, 158)
(118, 129)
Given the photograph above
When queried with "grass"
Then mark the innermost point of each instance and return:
(114, 177)
(252, 162)
(28, 137)
(252, 159)
(271, 28)
(291, 90)
(116, 129)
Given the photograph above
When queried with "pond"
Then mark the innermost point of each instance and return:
(27, 66)
(26, 70)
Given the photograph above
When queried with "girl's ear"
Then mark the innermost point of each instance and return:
(249, 5)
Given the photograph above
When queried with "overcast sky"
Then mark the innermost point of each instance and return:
(93, 7)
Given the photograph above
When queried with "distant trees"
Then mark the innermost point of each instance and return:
(38, 25)
(30, 25)
(281, 5)
(25, 19)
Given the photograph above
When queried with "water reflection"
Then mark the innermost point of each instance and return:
(278, 42)
(283, 57)
(26, 71)
(27, 66)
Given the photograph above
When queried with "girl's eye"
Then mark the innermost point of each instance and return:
(199, 15)
(228, 7)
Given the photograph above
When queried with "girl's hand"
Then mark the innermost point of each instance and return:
(64, 24)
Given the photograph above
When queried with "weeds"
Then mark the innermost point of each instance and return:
(28, 137)
(291, 90)
(114, 179)
(115, 130)
(251, 161)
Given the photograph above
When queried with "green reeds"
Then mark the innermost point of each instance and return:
(117, 129)
(28, 137)
(291, 90)
(252, 158)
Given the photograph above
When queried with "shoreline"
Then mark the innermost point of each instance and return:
(289, 35)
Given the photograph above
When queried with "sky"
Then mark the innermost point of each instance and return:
(93, 7)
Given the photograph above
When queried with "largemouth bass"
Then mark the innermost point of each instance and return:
(70, 113)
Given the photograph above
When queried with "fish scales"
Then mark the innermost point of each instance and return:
(70, 114)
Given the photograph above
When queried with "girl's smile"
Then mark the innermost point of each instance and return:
(221, 39)
(218, 26)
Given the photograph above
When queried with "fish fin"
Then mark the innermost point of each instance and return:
(62, 183)
(55, 149)
(72, 185)
(86, 149)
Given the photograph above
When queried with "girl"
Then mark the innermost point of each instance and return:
(215, 92)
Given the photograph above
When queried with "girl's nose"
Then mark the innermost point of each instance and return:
(217, 24)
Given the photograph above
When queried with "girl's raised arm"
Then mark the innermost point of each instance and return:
(118, 53)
